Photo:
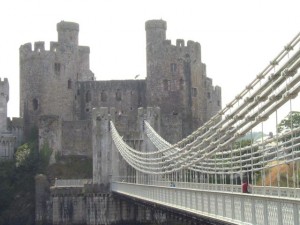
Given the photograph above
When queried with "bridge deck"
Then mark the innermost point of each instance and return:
(230, 207)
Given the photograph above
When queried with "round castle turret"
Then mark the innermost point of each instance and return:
(68, 32)
(155, 31)
(48, 77)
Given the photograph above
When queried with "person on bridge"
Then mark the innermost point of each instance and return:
(245, 186)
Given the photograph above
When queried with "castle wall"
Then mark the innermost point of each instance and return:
(46, 76)
(214, 100)
(77, 138)
(50, 134)
(16, 127)
(42, 196)
(107, 161)
(7, 139)
(125, 96)
(176, 82)
(86, 205)
(7, 144)
(4, 97)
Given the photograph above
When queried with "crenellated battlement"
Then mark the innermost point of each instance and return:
(38, 46)
(5, 81)
(26, 47)
(191, 47)
(53, 46)
(180, 43)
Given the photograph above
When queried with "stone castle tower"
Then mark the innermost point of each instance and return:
(177, 83)
(7, 139)
(48, 78)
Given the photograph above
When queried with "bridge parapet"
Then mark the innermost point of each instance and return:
(227, 207)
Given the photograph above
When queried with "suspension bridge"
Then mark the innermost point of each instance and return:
(202, 174)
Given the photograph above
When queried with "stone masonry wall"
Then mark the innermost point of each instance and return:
(4, 97)
(176, 82)
(48, 77)
(124, 96)
(77, 138)
(90, 206)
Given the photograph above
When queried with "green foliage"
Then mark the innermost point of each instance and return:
(17, 192)
(7, 177)
(292, 120)
(22, 154)
(242, 143)
(17, 184)
(44, 157)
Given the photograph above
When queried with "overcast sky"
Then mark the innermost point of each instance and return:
(238, 37)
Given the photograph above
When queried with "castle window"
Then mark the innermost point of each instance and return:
(219, 103)
(103, 96)
(57, 68)
(88, 97)
(208, 95)
(69, 84)
(166, 85)
(35, 104)
(173, 68)
(118, 95)
(194, 92)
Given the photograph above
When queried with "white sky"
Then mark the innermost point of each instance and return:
(238, 37)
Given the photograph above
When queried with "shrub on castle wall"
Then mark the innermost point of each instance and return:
(44, 157)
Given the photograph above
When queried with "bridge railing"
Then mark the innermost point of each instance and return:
(258, 190)
(236, 208)
(71, 182)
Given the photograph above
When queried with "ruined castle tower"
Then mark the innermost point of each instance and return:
(7, 139)
(48, 78)
(177, 83)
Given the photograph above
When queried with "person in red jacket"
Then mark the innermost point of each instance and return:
(245, 186)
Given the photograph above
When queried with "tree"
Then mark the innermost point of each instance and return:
(291, 121)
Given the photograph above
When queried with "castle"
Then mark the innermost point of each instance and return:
(60, 98)
(59, 82)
